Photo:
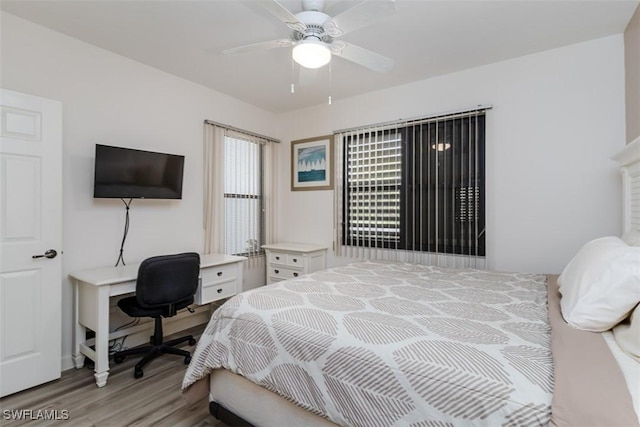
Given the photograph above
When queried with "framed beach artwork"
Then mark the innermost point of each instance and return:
(312, 164)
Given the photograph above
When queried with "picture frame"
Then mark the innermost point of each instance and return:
(312, 164)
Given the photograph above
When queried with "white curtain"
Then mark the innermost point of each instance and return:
(213, 189)
(269, 162)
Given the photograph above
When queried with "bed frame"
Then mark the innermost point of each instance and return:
(221, 413)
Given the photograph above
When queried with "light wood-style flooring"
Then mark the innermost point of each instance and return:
(153, 400)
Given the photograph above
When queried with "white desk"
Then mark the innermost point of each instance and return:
(220, 277)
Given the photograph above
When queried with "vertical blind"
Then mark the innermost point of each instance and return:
(373, 185)
(414, 190)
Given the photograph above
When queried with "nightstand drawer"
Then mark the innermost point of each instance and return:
(295, 260)
(284, 273)
(277, 258)
(222, 273)
(207, 294)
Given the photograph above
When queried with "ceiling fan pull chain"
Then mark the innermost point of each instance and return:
(293, 76)
(330, 82)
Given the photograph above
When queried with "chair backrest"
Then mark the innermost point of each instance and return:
(167, 279)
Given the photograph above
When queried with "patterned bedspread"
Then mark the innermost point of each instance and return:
(392, 344)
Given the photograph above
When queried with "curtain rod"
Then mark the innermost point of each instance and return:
(257, 135)
(417, 119)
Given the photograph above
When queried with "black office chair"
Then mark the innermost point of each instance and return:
(165, 284)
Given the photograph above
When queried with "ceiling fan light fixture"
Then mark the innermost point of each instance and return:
(311, 54)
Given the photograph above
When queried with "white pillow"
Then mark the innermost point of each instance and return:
(632, 237)
(601, 284)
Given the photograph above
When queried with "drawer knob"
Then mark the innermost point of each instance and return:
(220, 290)
(277, 257)
(295, 274)
(219, 273)
(276, 271)
(295, 260)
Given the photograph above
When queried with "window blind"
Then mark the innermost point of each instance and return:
(243, 196)
(414, 190)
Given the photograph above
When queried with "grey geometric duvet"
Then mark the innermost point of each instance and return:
(392, 344)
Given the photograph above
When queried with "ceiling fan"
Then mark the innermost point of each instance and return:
(314, 33)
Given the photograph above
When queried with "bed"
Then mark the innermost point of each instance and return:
(378, 343)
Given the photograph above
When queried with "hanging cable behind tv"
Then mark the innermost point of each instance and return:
(126, 231)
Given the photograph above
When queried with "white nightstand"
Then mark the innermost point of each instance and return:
(291, 260)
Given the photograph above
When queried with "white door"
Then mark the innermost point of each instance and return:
(30, 225)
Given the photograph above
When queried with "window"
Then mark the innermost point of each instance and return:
(373, 189)
(238, 191)
(419, 186)
(243, 196)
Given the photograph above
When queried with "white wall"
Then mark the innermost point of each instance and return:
(557, 118)
(632, 75)
(112, 100)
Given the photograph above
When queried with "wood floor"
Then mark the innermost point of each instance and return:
(153, 400)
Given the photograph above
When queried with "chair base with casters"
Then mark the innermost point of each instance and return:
(157, 348)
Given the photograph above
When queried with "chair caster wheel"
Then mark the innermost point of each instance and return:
(187, 360)
(118, 359)
(192, 341)
(138, 373)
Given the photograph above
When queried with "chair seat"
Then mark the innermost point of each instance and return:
(131, 307)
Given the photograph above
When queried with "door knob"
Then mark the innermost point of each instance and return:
(51, 253)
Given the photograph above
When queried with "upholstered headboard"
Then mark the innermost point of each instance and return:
(629, 159)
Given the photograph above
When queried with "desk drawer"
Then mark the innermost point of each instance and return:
(284, 273)
(122, 288)
(221, 273)
(207, 294)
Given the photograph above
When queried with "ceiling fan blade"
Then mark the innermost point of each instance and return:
(359, 16)
(283, 14)
(362, 56)
(271, 44)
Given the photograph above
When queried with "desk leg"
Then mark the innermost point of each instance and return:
(102, 337)
(79, 331)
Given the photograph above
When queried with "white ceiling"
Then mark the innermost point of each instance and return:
(425, 38)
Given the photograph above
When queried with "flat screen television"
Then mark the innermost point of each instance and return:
(125, 173)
